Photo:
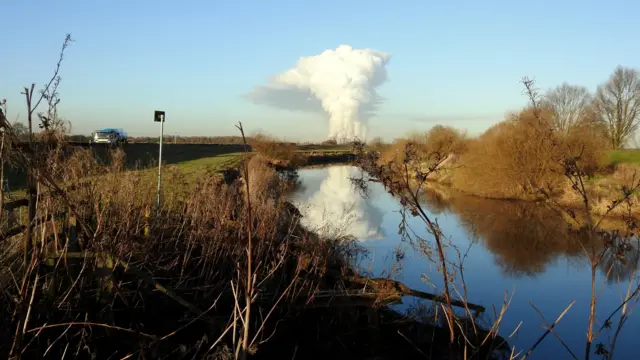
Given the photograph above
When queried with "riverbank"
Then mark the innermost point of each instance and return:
(172, 280)
(603, 189)
(523, 157)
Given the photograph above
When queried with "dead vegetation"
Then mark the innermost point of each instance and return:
(224, 271)
(277, 151)
(107, 273)
(523, 153)
(437, 148)
(103, 272)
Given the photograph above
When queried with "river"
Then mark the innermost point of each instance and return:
(516, 247)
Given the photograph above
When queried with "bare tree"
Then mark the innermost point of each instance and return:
(20, 130)
(617, 104)
(569, 105)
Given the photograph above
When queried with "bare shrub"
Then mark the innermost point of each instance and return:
(330, 142)
(587, 140)
(273, 149)
(445, 139)
(377, 144)
(433, 148)
(394, 151)
(524, 153)
(265, 183)
(510, 157)
(21, 131)
(81, 164)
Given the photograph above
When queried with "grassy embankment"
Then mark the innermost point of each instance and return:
(219, 158)
(297, 156)
(621, 170)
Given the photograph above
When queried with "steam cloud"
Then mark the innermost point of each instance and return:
(338, 209)
(341, 82)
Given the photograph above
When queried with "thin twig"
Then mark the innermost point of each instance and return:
(546, 324)
(549, 328)
(85, 323)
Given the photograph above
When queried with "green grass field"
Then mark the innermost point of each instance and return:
(198, 167)
(624, 156)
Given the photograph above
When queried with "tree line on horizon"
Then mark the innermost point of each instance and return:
(524, 153)
(614, 108)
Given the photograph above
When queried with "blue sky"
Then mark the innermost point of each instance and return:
(456, 62)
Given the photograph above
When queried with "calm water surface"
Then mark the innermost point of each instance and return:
(514, 246)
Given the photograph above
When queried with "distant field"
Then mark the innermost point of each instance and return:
(191, 171)
(625, 156)
(144, 156)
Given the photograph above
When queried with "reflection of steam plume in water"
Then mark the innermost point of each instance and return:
(342, 82)
(337, 209)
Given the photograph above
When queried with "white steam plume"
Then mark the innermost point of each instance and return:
(342, 82)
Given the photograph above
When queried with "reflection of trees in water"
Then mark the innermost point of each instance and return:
(436, 202)
(338, 209)
(523, 236)
(620, 260)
